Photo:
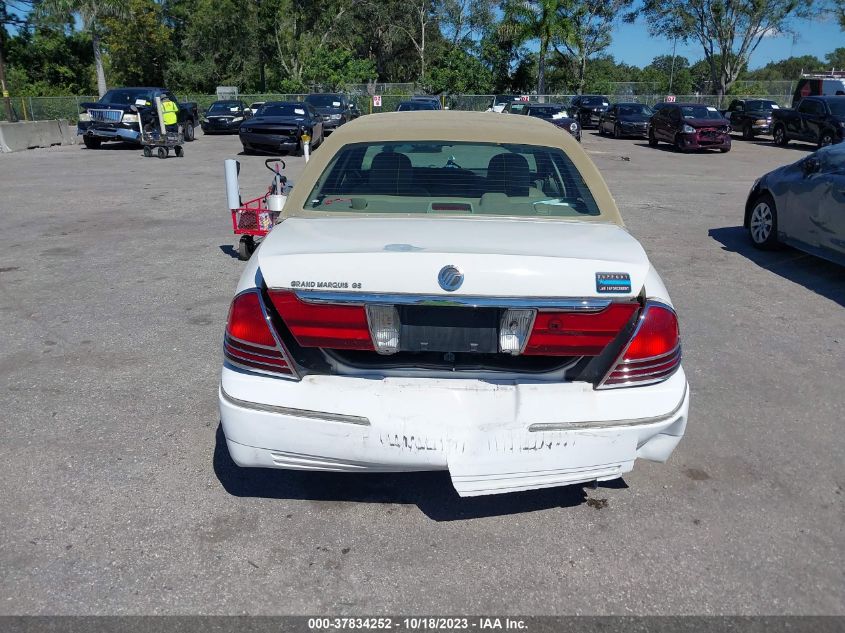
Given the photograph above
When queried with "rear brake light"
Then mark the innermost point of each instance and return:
(326, 325)
(576, 333)
(654, 352)
(249, 341)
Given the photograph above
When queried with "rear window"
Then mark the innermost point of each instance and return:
(225, 107)
(415, 105)
(126, 97)
(324, 101)
(761, 105)
(444, 177)
(635, 109)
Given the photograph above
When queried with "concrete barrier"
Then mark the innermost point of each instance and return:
(15, 137)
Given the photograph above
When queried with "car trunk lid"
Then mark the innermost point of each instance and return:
(497, 256)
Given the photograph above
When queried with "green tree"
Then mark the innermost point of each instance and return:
(836, 58)
(50, 58)
(138, 49)
(216, 47)
(588, 31)
(333, 68)
(458, 72)
(729, 31)
(789, 68)
(538, 21)
(464, 22)
(669, 75)
(91, 14)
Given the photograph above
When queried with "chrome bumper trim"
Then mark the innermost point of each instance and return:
(585, 304)
(592, 424)
(298, 413)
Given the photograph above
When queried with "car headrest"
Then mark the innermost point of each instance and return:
(508, 173)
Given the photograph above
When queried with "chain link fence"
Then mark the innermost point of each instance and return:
(68, 107)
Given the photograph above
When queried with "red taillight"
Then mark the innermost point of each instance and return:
(249, 342)
(331, 326)
(577, 334)
(654, 352)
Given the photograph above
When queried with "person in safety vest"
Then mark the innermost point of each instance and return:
(169, 116)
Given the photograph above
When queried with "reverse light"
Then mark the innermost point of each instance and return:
(653, 354)
(249, 341)
(384, 328)
(514, 329)
(333, 326)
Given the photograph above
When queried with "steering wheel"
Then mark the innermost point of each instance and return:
(452, 164)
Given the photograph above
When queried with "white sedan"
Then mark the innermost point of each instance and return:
(452, 291)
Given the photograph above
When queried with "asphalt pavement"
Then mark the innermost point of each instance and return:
(119, 496)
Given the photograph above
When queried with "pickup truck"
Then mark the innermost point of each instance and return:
(751, 116)
(115, 117)
(819, 120)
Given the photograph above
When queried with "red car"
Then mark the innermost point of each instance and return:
(690, 126)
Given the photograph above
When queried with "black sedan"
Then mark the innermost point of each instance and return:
(626, 119)
(411, 106)
(224, 117)
(588, 108)
(280, 126)
(335, 108)
(556, 115)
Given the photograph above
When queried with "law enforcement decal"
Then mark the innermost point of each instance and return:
(613, 282)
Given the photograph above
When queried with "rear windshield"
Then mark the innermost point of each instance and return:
(324, 101)
(635, 109)
(222, 107)
(761, 105)
(700, 112)
(282, 109)
(415, 105)
(126, 97)
(547, 112)
(444, 177)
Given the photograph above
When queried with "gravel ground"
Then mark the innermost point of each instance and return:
(120, 497)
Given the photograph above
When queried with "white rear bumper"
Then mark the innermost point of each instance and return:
(492, 437)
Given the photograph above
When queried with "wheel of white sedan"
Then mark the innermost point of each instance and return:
(762, 222)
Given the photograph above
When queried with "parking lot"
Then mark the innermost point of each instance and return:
(119, 496)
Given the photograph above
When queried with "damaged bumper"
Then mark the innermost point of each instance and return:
(492, 437)
(103, 132)
(705, 140)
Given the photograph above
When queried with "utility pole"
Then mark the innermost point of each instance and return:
(7, 101)
(672, 71)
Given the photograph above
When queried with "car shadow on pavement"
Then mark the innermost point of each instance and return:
(112, 147)
(805, 147)
(431, 492)
(814, 273)
(229, 250)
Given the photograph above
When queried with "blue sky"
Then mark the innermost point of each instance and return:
(632, 44)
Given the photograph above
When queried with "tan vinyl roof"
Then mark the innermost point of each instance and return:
(445, 125)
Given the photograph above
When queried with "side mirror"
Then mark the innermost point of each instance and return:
(811, 165)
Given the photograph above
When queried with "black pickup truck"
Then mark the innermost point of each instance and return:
(750, 116)
(819, 120)
(117, 115)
